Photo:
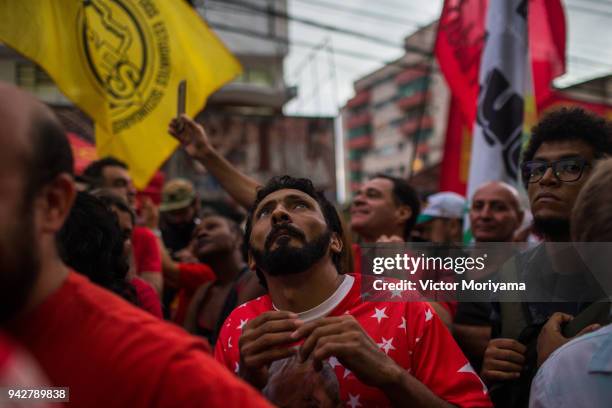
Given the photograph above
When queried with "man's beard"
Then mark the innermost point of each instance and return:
(552, 228)
(289, 260)
(20, 263)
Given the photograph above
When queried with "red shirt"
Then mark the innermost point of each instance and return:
(112, 354)
(18, 370)
(147, 256)
(409, 332)
(191, 277)
(147, 297)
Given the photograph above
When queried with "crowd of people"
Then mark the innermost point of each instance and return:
(129, 303)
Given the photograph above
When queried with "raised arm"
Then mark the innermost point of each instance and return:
(193, 138)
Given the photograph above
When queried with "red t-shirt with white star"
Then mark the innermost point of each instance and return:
(409, 332)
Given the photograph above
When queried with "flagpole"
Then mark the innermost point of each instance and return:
(423, 107)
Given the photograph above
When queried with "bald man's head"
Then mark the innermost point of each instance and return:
(30, 131)
(34, 154)
(495, 212)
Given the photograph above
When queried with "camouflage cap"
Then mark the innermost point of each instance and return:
(177, 194)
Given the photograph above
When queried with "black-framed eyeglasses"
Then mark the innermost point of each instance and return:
(565, 170)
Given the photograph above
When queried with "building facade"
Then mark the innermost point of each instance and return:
(253, 31)
(396, 122)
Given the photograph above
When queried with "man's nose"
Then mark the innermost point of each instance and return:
(132, 190)
(358, 200)
(485, 212)
(280, 215)
(549, 178)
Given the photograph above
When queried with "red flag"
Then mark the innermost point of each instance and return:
(82, 151)
(458, 48)
(546, 45)
(456, 161)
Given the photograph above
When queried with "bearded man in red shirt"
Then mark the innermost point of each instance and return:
(382, 353)
(107, 352)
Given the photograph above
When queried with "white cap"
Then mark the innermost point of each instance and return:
(443, 205)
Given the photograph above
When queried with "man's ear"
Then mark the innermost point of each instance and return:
(403, 213)
(336, 243)
(53, 203)
(250, 260)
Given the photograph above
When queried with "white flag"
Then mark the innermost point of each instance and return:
(503, 79)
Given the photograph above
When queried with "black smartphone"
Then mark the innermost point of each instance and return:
(182, 97)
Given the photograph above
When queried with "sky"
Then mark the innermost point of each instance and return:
(324, 75)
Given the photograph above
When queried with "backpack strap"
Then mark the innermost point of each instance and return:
(514, 317)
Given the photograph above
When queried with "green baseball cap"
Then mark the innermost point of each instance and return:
(177, 194)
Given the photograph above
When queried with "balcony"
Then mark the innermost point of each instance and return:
(423, 148)
(360, 99)
(418, 98)
(355, 165)
(360, 143)
(412, 125)
(410, 75)
(358, 120)
(355, 186)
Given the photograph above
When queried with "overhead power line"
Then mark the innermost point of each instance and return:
(328, 27)
(287, 41)
(338, 51)
(387, 18)
(357, 54)
(275, 13)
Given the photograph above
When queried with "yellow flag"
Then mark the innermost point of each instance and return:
(121, 62)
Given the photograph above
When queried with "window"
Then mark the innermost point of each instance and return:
(31, 76)
(256, 76)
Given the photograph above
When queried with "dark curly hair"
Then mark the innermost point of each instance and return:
(304, 185)
(404, 194)
(91, 243)
(571, 124)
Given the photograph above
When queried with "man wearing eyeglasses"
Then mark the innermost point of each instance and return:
(556, 164)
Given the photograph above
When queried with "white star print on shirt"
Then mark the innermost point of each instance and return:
(229, 343)
(403, 325)
(353, 401)
(333, 362)
(347, 372)
(242, 323)
(396, 293)
(386, 345)
(237, 368)
(468, 369)
(428, 315)
(379, 314)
